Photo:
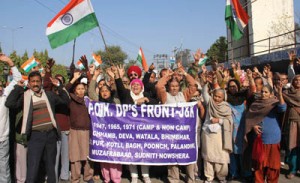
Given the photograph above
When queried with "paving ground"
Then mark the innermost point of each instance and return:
(158, 175)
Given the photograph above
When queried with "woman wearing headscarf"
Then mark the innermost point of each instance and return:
(236, 99)
(216, 135)
(262, 120)
(111, 172)
(134, 95)
(292, 125)
(174, 94)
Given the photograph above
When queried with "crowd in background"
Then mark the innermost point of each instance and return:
(246, 118)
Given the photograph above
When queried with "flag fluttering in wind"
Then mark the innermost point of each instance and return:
(76, 18)
(236, 18)
(96, 60)
(29, 64)
(80, 65)
(202, 60)
(142, 60)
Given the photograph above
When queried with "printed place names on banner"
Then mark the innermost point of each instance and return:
(139, 155)
(141, 127)
(144, 135)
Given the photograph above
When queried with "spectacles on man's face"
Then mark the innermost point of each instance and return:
(133, 74)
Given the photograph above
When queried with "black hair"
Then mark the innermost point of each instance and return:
(170, 81)
(33, 74)
(160, 74)
(236, 82)
(63, 78)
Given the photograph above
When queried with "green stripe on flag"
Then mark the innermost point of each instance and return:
(83, 25)
(236, 33)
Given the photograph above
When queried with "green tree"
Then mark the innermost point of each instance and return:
(130, 63)
(113, 55)
(60, 69)
(218, 50)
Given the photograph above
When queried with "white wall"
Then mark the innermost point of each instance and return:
(270, 18)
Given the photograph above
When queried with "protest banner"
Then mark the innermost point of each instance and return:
(143, 135)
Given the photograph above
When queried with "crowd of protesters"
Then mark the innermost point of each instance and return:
(246, 118)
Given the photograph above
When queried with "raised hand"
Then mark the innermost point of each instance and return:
(77, 75)
(179, 64)
(197, 55)
(6, 59)
(92, 69)
(55, 81)
(21, 83)
(292, 55)
(152, 67)
(110, 72)
(249, 73)
(233, 65)
(50, 62)
(226, 74)
(121, 70)
(204, 69)
(181, 70)
(84, 61)
(238, 66)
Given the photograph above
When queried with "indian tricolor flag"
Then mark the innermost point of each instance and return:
(236, 18)
(96, 59)
(142, 60)
(75, 18)
(29, 64)
(80, 65)
(202, 60)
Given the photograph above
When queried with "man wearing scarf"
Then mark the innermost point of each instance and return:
(38, 124)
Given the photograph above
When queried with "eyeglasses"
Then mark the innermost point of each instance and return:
(133, 74)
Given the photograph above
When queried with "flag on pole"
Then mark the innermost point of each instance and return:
(236, 18)
(96, 60)
(76, 18)
(29, 64)
(142, 60)
(202, 60)
(80, 65)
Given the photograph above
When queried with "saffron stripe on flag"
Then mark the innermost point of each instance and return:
(85, 24)
(78, 12)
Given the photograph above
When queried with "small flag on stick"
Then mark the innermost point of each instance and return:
(80, 65)
(29, 64)
(142, 60)
(96, 60)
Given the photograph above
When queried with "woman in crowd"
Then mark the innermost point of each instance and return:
(176, 95)
(237, 98)
(79, 132)
(263, 119)
(216, 134)
(292, 125)
(134, 95)
(110, 171)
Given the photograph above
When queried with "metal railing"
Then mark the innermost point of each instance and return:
(237, 51)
